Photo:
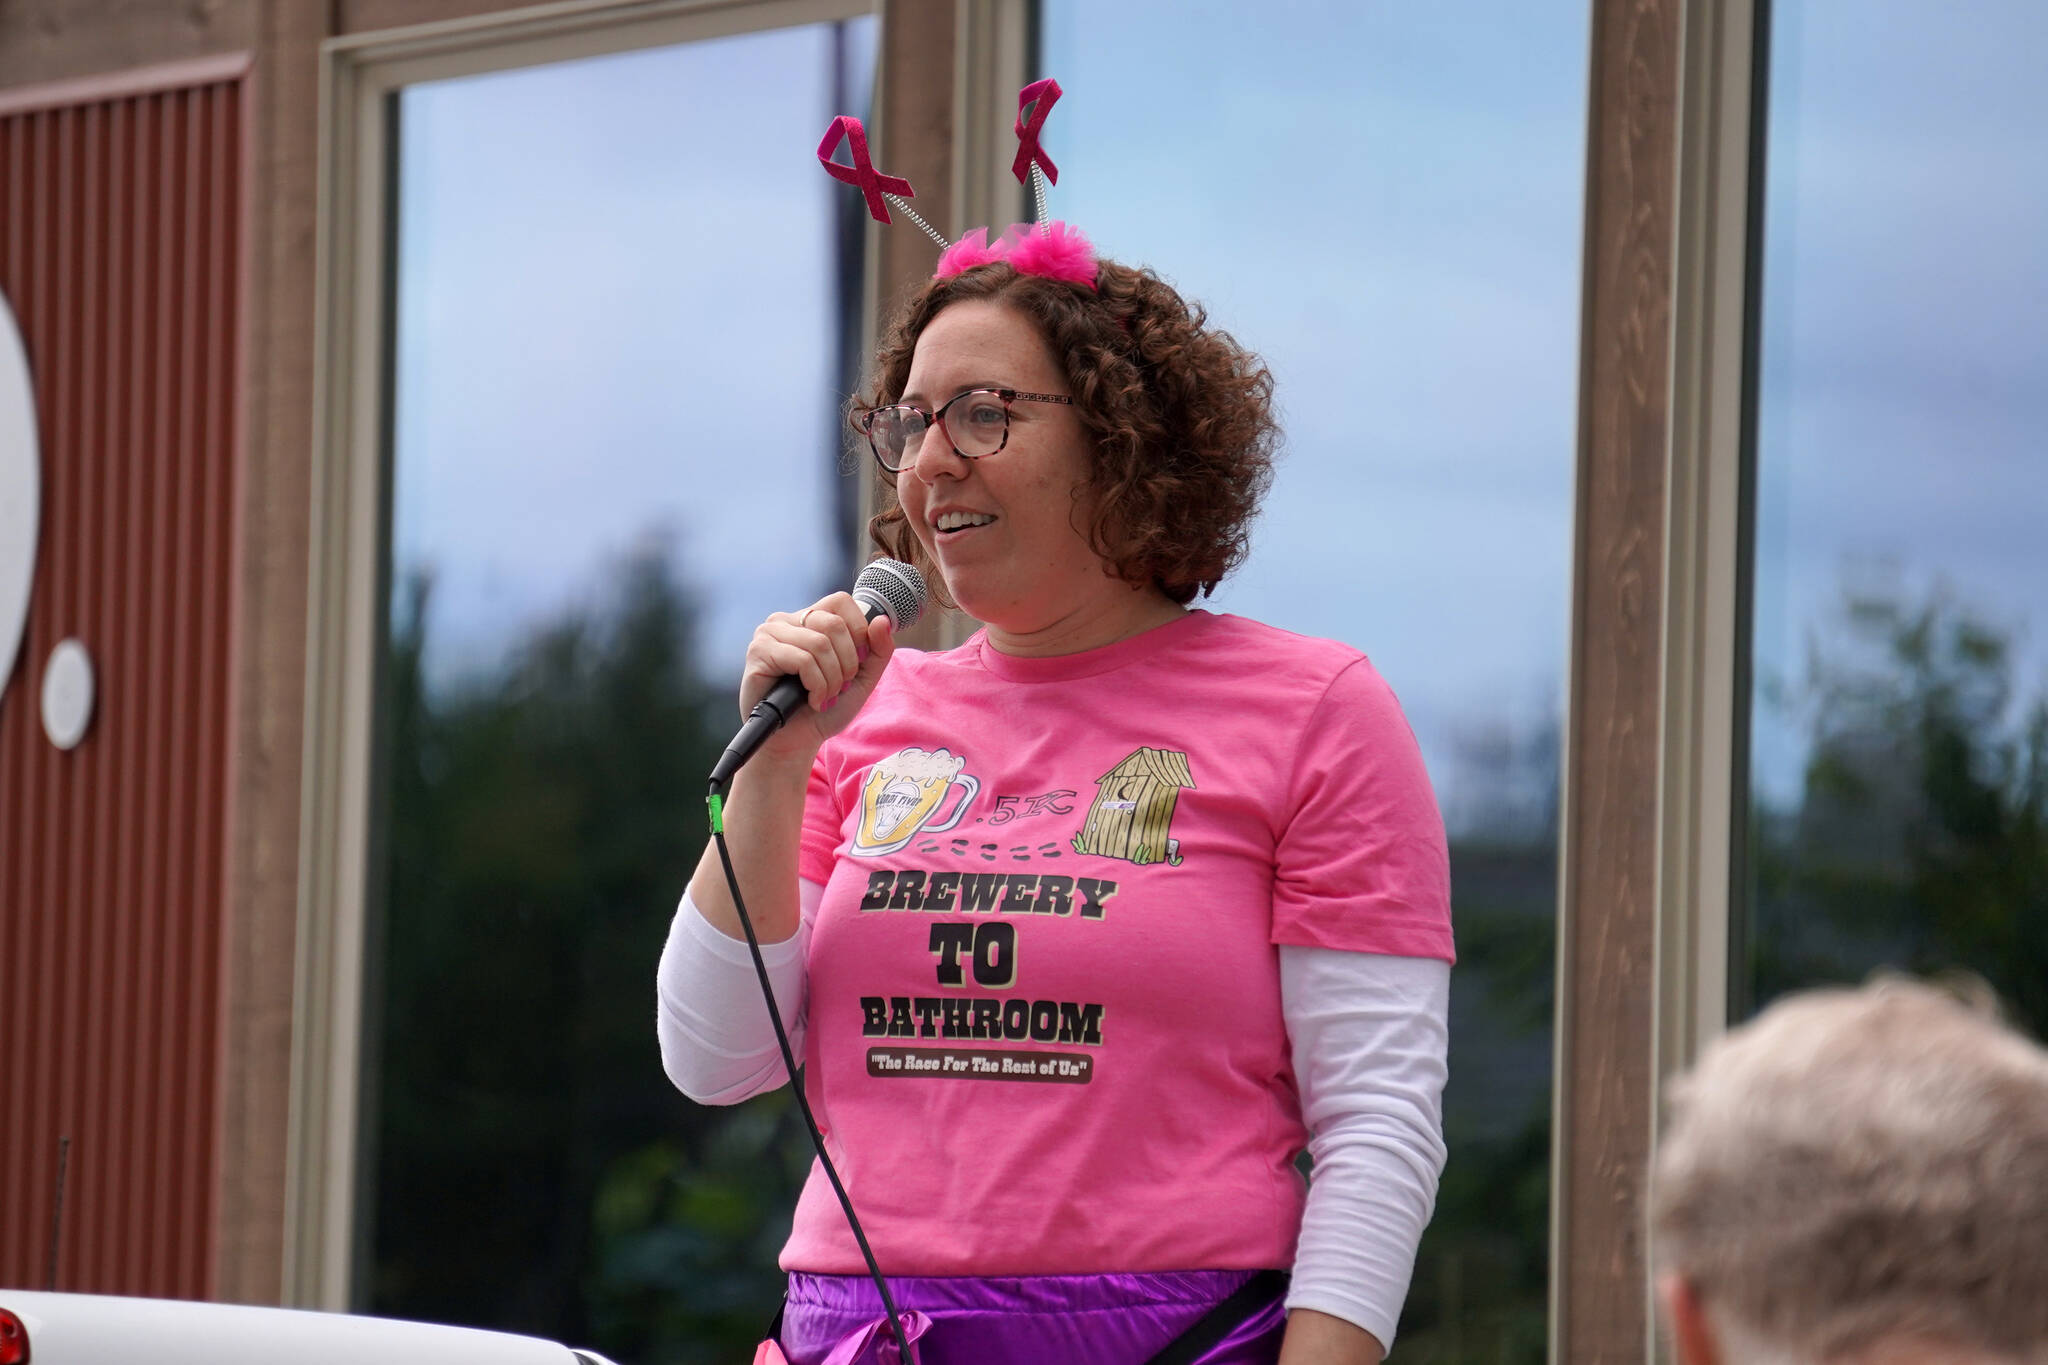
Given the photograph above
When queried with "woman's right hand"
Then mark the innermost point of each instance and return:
(838, 655)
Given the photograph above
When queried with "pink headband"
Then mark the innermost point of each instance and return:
(1058, 251)
(1054, 250)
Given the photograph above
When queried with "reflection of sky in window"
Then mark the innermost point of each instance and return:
(1384, 202)
(1903, 423)
(615, 320)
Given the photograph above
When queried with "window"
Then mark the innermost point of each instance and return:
(1384, 202)
(1898, 765)
(622, 336)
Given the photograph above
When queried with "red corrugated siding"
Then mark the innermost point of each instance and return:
(120, 249)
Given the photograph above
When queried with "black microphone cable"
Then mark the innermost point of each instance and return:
(898, 590)
(716, 800)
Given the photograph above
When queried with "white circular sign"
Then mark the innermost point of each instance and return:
(21, 490)
(67, 694)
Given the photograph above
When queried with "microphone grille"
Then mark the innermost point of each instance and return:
(896, 587)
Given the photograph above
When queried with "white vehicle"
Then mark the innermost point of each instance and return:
(98, 1329)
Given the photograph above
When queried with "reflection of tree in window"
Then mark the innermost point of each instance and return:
(535, 1171)
(1919, 838)
(1481, 1275)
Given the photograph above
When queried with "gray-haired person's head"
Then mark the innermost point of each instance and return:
(1859, 1175)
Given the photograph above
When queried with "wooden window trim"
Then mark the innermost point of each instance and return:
(1652, 758)
(1607, 916)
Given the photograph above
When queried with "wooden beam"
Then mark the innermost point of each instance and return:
(369, 16)
(914, 127)
(55, 40)
(269, 650)
(1607, 941)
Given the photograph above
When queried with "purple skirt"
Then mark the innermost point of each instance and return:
(1022, 1320)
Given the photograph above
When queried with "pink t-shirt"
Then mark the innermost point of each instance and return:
(1044, 1032)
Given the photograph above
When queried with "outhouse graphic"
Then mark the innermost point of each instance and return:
(1133, 809)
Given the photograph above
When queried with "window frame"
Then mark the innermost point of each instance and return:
(1713, 428)
(1654, 753)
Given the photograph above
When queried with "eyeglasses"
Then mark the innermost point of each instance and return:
(981, 428)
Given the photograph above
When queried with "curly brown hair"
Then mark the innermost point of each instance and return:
(1182, 419)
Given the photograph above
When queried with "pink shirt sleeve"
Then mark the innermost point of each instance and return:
(1361, 862)
(822, 823)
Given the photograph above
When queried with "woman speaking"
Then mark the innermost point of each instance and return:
(1089, 927)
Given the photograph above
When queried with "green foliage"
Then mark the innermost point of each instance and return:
(534, 1170)
(1480, 1292)
(1922, 839)
(683, 1241)
(1481, 1276)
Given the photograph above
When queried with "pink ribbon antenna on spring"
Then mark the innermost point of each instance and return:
(873, 184)
(1034, 102)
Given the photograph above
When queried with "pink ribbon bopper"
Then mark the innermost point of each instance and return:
(873, 184)
(1034, 102)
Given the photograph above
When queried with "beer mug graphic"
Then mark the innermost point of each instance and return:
(903, 794)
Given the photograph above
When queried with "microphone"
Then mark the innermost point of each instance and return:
(887, 587)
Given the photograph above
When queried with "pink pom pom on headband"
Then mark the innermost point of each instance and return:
(973, 249)
(1053, 250)
(1058, 251)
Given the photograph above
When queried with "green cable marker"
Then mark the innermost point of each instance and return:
(717, 804)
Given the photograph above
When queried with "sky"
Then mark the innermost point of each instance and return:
(615, 322)
(1383, 201)
(593, 347)
(614, 325)
(1903, 399)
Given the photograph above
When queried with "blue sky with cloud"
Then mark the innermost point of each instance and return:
(1384, 201)
(614, 316)
(615, 321)
(1903, 401)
